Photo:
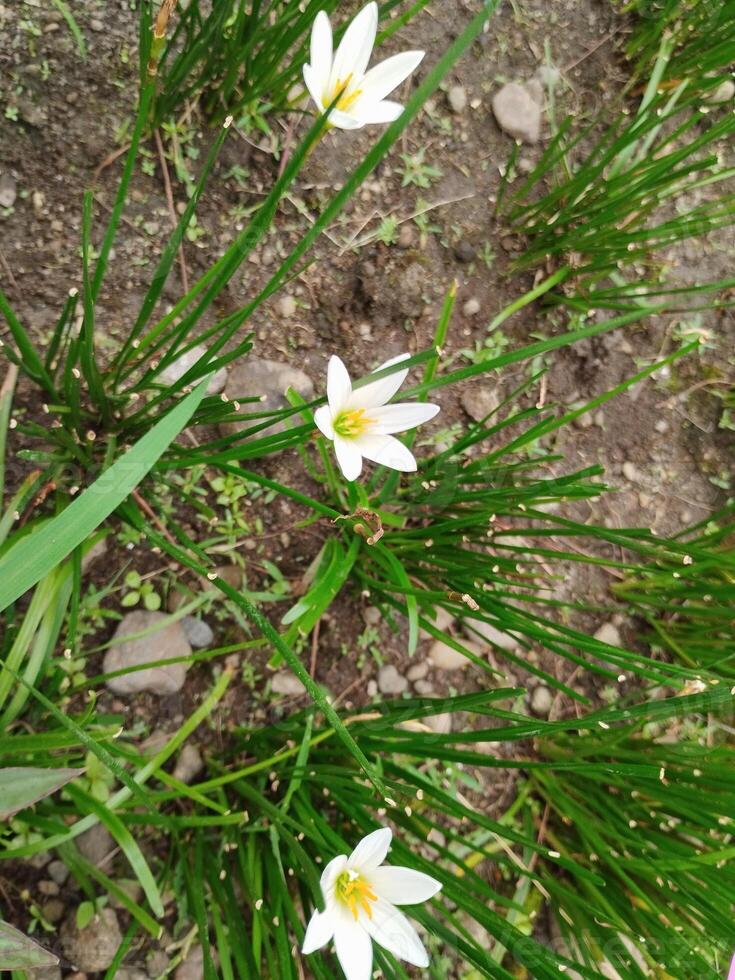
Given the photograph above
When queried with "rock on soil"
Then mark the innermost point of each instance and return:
(284, 682)
(441, 724)
(492, 634)
(160, 644)
(457, 98)
(198, 633)
(541, 701)
(8, 190)
(93, 948)
(390, 681)
(267, 380)
(608, 633)
(189, 764)
(181, 365)
(447, 658)
(95, 844)
(479, 402)
(418, 671)
(518, 113)
(193, 966)
(443, 621)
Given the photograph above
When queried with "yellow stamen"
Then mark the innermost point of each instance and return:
(355, 893)
(352, 423)
(346, 100)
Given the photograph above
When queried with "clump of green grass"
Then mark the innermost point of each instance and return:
(606, 207)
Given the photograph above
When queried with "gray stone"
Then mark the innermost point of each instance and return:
(96, 844)
(372, 688)
(541, 700)
(443, 621)
(390, 681)
(189, 764)
(178, 368)
(479, 402)
(724, 92)
(46, 973)
(93, 948)
(517, 113)
(417, 672)
(447, 658)
(471, 307)
(424, 688)
(132, 889)
(192, 968)
(548, 76)
(286, 305)
(8, 190)
(441, 724)
(372, 615)
(157, 963)
(406, 237)
(457, 98)
(267, 380)
(608, 633)
(53, 912)
(630, 472)
(58, 871)
(198, 633)
(161, 643)
(284, 682)
(494, 636)
(464, 251)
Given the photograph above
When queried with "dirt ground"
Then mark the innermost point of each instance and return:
(61, 117)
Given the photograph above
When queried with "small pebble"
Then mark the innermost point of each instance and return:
(724, 92)
(418, 671)
(457, 98)
(390, 681)
(406, 235)
(284, 682)
(464, 251)
(372, 688)
(471, 307)
(198, 633)
(286, 305)
(630, 471)
(424, 688)
(541, 701)
(189, 764)
(608, 633)
(441, 724)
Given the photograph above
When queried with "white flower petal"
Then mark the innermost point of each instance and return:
(321, 50)
(349, 457)
(323, 419)
(388, 451)
(354, 948)
(371, 851)
(401, 416)
(376, 393)
(403, 886)
(392, 930)
(383, 78)
(339, 386)
(377, 112)
(311, 81)
(355, 48)
(343, 120)
(319, 931)
(335, 867)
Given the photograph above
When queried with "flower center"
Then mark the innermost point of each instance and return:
(354, 892)
(346, 100)
(352, 423)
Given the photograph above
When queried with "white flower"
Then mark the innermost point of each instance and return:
(360, 423)
(361, 95)
(360, 897)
